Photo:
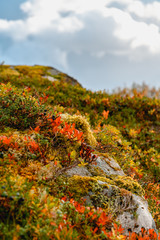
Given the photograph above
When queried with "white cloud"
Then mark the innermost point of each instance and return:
(150, 10)
(45, 13)
(71, 17)
(139, 34)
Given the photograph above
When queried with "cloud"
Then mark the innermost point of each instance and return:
(146, 11)
(71, 17)
(138, 33)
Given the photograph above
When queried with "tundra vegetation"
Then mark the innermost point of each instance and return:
(48, 126)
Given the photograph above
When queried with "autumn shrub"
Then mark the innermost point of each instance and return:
(17, 108)
(14, 206)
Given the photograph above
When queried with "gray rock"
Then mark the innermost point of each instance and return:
(52, 79)
(53, 71)
(108, 191)
(88, 200)
(69, 79)
(140, 218)
(80, 171)
(131, 210)
(108, 166)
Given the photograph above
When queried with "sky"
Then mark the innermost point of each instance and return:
(104, 44)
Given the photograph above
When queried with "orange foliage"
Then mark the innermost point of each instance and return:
(105, 114)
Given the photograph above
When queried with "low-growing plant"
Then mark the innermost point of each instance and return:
(18, 109)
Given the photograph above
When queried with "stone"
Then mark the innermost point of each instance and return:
(131, 210)
(108, 166)
(53, 71)
(141, 218)
(80, 171)
(52, 79)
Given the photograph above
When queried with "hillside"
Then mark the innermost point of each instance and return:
(73, 161)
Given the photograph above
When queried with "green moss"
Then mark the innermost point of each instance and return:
(105, 179)
(129, 184)
(118, 200)
(96, 171)
(123, 182)
(80, 186)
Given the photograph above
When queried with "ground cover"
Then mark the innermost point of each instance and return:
(44, 126)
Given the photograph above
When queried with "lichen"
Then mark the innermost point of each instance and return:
(104, 179)
(80, 185)
(129, 184)
(96, 171)
(123, 182)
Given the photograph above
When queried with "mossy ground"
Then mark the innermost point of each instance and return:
(43, 126)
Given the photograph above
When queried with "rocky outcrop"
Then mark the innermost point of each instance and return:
(104, 184)
(140, 218)
(65, 77)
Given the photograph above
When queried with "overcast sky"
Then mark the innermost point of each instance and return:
(104, 44)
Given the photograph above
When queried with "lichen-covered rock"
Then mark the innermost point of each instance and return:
(134, 221)
(53, 71)
(105, 185)
(52, 79)
(80, 171)
(108, 166)
(65, 77)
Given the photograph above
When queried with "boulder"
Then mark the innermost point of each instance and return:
(141, 218)
(104, 184)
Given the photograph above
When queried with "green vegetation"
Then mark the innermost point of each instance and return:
(45, 128)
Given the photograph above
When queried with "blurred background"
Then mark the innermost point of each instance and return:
(104, 44)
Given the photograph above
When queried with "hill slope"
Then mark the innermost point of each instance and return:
(50, 124)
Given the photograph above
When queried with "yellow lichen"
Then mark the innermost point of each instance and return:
(104, 179)
(96, 171)
(80, 185)
(129, 184)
